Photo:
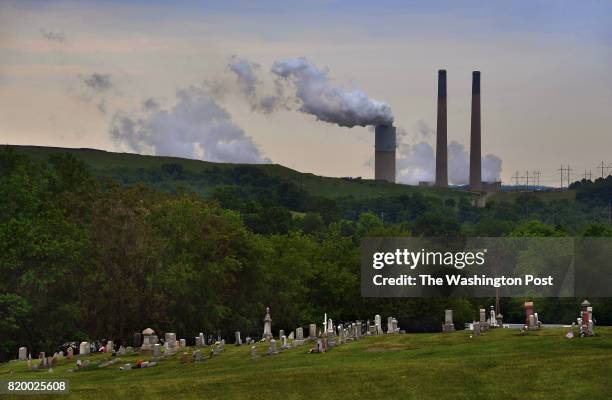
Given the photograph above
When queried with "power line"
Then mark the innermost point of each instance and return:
(565, 174)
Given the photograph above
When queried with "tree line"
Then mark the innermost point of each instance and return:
(88, 258)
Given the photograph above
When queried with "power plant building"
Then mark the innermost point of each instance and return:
(384, 155)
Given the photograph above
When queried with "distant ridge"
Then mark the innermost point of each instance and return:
(130, 168)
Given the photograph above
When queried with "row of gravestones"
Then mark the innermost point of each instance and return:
(148, 341)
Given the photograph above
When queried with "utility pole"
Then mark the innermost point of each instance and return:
(588, 175)
(516, 180)
(563, 170)
(527, 181)
(536, 179)
(602, 166)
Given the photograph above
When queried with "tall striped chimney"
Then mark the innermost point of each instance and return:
(475, 151)
(441, 137)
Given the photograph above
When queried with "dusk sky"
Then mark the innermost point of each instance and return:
(155, 77)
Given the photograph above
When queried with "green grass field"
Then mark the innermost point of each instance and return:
(499, 364)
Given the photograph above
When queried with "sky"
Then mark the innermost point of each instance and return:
(157, 77)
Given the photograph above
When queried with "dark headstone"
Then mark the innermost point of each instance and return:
(137, 341)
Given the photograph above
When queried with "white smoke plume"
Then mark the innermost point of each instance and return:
(195, 127)
(491, 168)
(320, 97)
(302, 83)
(417, 162)
(251, 86)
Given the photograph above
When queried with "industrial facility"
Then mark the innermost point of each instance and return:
(385, 143)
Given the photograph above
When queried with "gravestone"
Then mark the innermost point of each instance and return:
(284, 344)
(23, 353)
(267, 334)
(70, 353)
(84, 348)
(198, 341)
(156, 350)
(170, 343)
(129, 349)
(137, 340)
(448, 326)
(529, 317)
(291, 336)
(148, 340)
(109, 348)
(197, 356)
(272, 349)
(121, 351)
(281, 333)
(238, 339)
(182, 343)
(476, 326)
(390, 328)
(299, 336)
(499, 319)
(254, 352)
(312, 331)
(483, 319)
(492, 319)
(378, 324)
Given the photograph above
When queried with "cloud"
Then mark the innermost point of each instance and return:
(59, 37)
(97, 82)
(196, 126)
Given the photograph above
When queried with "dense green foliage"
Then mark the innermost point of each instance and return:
(86, 257)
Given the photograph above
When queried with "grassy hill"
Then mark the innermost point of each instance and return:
(499, 364)
(131, 168)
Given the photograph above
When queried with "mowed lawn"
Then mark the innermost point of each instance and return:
(499, 364)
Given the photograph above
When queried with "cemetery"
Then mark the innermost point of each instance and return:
(487, 358)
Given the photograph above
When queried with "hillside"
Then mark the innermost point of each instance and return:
(498, 364)
(203, 176)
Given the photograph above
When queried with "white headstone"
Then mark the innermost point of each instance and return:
(84, 348)
(238, 339)
(267, 334)
(23, 353)
(156, 350)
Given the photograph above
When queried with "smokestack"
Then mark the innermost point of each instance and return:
(384, 155)
(475, 156)
(441, 150)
